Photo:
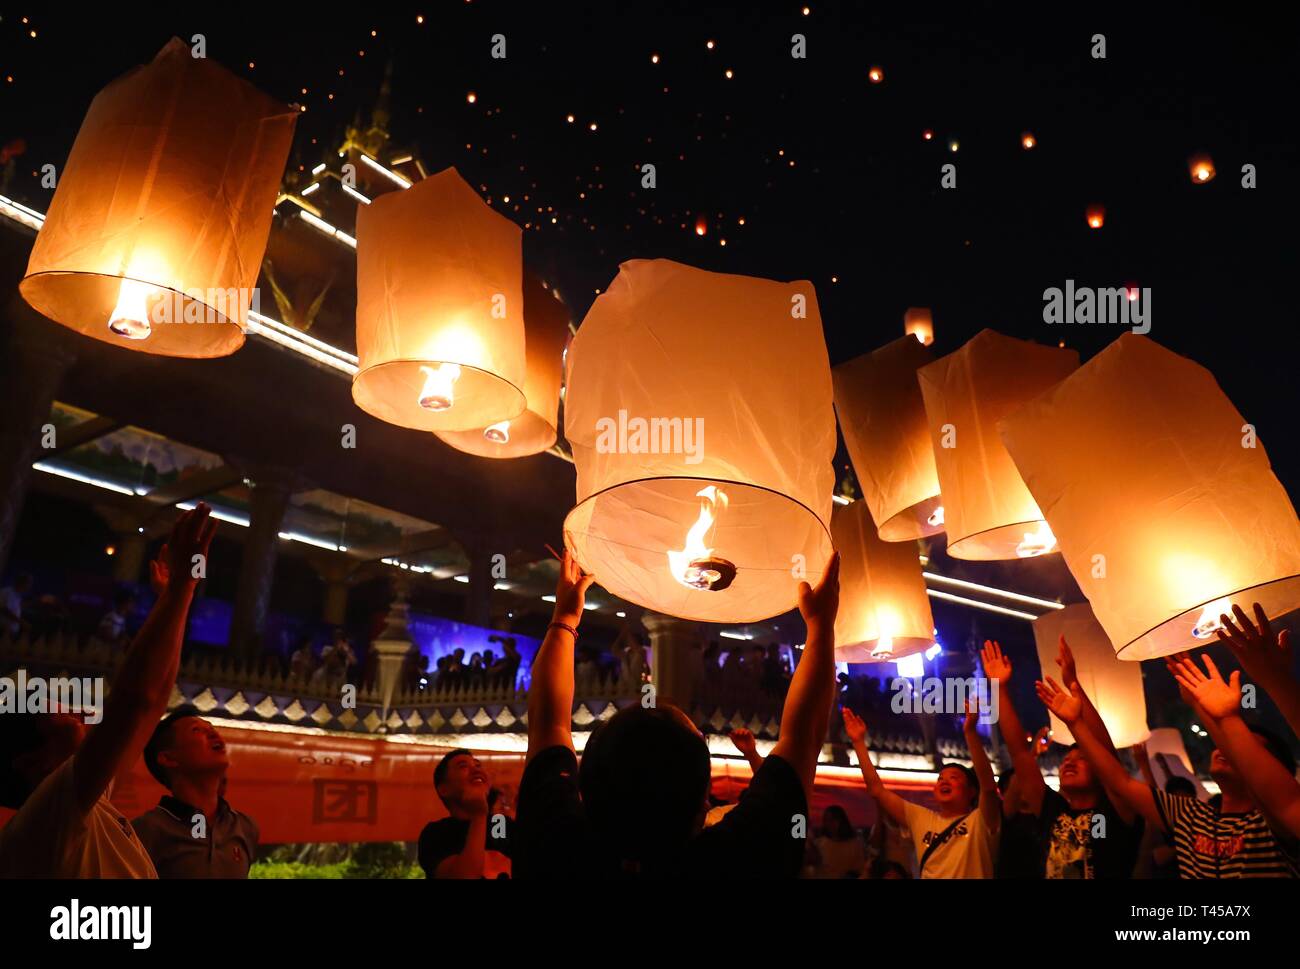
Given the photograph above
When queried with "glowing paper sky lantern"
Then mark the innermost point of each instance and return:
(440, 309)
(698, 407)
(883, 419)
(1114, 687)
(988, 511)
(884, 610)
(155, 235)
(918, 323)
(1165, 505)
(546, 326)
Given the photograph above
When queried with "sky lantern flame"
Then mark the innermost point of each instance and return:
(130, 318)
(439, 382)
(498, 433)
(1201, 168)
(936, 517)
(695, 565)
(1037, 543)
(1209, 622)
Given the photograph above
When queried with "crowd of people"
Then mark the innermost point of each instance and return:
(638, 803)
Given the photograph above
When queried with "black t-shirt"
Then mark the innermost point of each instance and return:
(1071, 851)
(552, 838)
(1020, 848)
(441, 839)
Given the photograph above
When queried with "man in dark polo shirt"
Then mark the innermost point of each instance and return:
(193, 832)
(471, 842)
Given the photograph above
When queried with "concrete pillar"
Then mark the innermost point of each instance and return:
(671, 669)
(33, 361)
(392, 645)
(268, 500)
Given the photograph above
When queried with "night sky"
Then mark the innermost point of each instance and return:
(830, 172)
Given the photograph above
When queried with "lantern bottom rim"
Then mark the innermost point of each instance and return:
(911, 522)
(530, 433)
(861, 652)
(1277, 597)
(482, 398)
(995, 544)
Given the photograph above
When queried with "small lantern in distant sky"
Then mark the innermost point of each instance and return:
(927, 134)
(1028, 141)
(440, 309)
(698, 407)
(988, 511)
(155, 235)
(1163, 500)
(1113, 686)
(1201, 168)
(882, 416)
(546, 326)
(918, 322)
(1096, 216)
(876, 75)
(884, 611)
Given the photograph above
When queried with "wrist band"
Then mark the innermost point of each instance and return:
(565, 625)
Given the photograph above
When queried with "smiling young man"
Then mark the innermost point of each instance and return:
(58, 774)
(1083, 832)
(469, 843)
(193, 832)
(960, 840)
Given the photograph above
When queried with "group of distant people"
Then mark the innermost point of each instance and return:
(638, 802)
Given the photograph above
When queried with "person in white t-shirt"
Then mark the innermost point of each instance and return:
(58, 775)
(960, 840)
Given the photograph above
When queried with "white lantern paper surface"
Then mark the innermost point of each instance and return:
(884, 609)
(698, 407)
(1113, 686)
(1166, 514)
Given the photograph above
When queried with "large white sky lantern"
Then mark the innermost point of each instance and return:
(1114, 687)
(546, 325)
(440, 309)
(698, 406)
(1163, 500)
(988, 512)
(882, 416)
(884, 610)
(155, 234)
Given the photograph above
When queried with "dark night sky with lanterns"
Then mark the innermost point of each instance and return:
(830, 172)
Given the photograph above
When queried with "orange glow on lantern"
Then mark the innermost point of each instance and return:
(162, 211)
(1096, 216)
(1028, 141)
(876, 75)
(1201, 168)
(918, 322)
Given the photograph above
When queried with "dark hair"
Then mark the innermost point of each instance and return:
(1181, 786)
(1276, 746)
(972, 778)
(444, 765)
(644, 777)
(20, 733)
(161, 739)
(843, 827)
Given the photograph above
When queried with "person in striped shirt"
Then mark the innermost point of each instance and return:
(1232, 838)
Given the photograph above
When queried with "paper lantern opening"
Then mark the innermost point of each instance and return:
(440, 331)
(1114, 687)
(546, 332)
(1166, 508)
(882, 416)
(155, 234)
(884, 608)
(988, 512)
(703, 452)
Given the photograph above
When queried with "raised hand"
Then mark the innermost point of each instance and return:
(997, 666)
(744, 741)
(818, 606)
(1065, 662)
(854, 726)
(972, 716)
(159, 573)
(1215, 696)
(1042, 741)
(1068, 706)
(571, 591)
(191, 535)
(1261, 653)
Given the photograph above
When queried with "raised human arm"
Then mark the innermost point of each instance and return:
(144, 683)
(990, 799)
(743, 741)
(550, 697)
(1266, 657)
(889, 802)
(1112, 774)
(807, 708)
(1070, 674)
(1029, 780)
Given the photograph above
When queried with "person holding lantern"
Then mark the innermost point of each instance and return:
(1084, 829)
(636, 806)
